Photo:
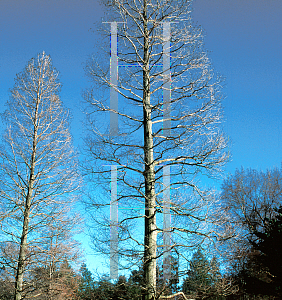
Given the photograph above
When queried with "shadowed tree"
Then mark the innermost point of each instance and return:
(37, 166)
(261, 272)
(249, 199)
(199, 276)
(168, 123)
(269, 243)
(86, 284)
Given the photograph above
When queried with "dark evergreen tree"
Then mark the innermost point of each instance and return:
(260, 273)
(121, 289)
(199, 277)
(249, 198)
(135, 282)
(204, 280)
(104, 290)
(86, 287)
(269, 243)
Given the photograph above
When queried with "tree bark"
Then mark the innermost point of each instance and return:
(150, 238)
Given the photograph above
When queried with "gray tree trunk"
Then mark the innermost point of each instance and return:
(150, 239)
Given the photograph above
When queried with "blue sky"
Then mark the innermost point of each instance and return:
(244, 38)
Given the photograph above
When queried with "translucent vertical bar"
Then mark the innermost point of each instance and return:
(114, 80)
(114, 225)
(167, 79)
(166, 223)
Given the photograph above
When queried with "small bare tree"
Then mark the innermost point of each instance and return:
(37, 165)
(48, 272)
(168, 127)
(43, 276)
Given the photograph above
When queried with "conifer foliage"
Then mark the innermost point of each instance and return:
(268, 261)
(86, 284)
(203, 277)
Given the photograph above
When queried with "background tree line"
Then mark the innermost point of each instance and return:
(252, 270)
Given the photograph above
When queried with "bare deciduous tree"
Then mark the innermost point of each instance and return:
(248, 200)
(168, 122)
(51, 272)
(250, 196)
(37, 165)
(43, 276)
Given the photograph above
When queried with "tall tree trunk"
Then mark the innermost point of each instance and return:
(150, 239)
(23, 244)
(23, 248)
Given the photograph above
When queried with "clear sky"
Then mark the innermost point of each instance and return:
(244, 38)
